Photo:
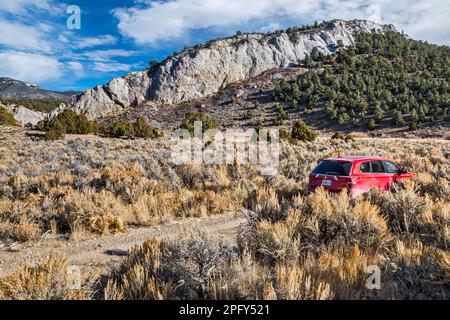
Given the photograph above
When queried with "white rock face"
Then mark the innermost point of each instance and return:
(24, 115)
(203, 70)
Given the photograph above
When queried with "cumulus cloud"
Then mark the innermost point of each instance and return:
(75, 68)
(23, 7)
(88, 42)
(107, 54)
(29, 66)
(111, 66)
(21, 36)
(150, 21)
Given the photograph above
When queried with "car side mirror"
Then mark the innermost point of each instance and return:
(403, 171)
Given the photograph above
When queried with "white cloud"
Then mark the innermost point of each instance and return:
(63, 39)
(152, 21)
(111, 67)
(88, 42)
(107, 55)
(20, 36)
(271, 27)
(29, 67)
(35, 47)
(22, 7)
(76, 68)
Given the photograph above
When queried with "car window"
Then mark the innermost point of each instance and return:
(378, 167)
(391, 167)
(335, 168)
(365, 167)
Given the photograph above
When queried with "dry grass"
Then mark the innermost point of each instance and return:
(293, 246)
(90, 185)
(49, 280)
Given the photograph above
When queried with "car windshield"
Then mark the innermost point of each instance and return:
(335, 168)
(392, 167)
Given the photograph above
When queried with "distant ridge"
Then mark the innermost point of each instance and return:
(16, 89)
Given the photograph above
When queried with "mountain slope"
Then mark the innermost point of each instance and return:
(205, 69)
(387, 84)
(15, 89)
(383, 81)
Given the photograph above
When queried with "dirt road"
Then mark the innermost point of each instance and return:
(96, 254)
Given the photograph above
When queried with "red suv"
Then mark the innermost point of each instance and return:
(358, 175)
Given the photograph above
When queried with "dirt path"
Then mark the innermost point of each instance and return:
(96, 254)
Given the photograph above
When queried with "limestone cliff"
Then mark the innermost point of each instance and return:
(204, 69)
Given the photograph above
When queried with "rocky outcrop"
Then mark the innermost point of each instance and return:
(25, 116)
(203, 70)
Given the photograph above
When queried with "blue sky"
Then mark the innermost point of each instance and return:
(118, 36)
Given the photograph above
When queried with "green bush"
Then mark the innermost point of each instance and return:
(68, 119)
(123, 128)
(41, 125)
(192, 117)
(338, 136)
(302, 132)
(397, 118)
(83, 125)
(142, 129)
(119, 129)
(68, 122)
(55, 130)
(349, 138)
(6, 118)
(248, 115)
(286, 136)
(413, 126)
(282, 115)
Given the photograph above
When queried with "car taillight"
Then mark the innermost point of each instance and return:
(351, 180)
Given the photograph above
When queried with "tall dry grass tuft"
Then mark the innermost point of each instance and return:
(296, 283)
(49, 280)
(321, 222)
(99, 212)
(331, 219)
(404, 208)
(274, 243)
(134, 278)
(418, 271)
(345, 269)
(185, 268)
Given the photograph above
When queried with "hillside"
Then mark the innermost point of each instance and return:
(337, 76)
(348, 76)
(383, 84)
(204, 70)
(383, 81)
(19, 90)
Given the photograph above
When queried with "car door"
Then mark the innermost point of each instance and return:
(364, 180)
(395, 172)
(383, 179)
